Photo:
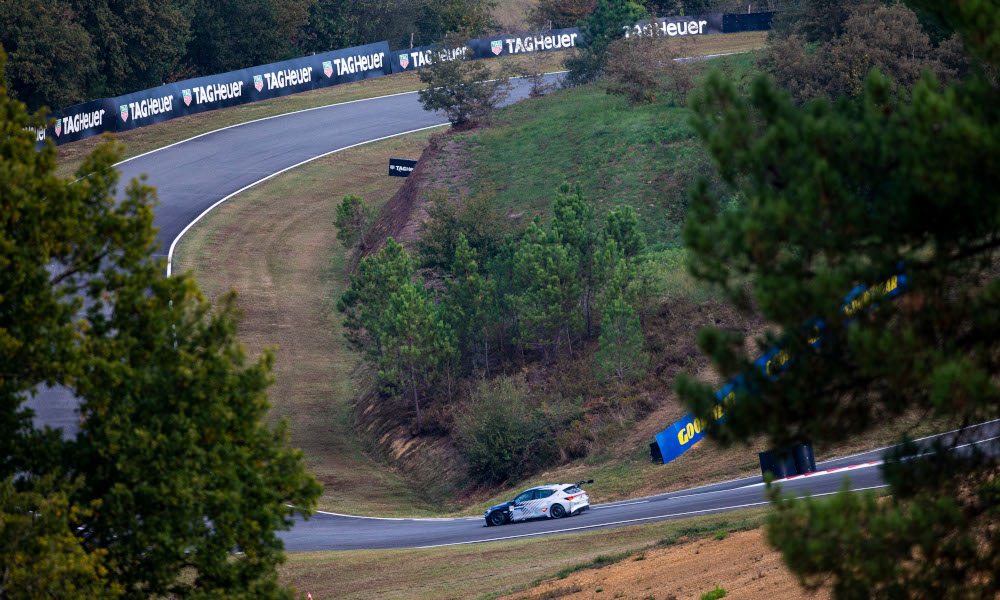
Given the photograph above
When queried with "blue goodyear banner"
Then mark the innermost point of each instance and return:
(685, 433)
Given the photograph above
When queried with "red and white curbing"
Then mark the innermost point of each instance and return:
(836, 470)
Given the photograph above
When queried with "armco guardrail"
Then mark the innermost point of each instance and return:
(685, 433)
(263, 82)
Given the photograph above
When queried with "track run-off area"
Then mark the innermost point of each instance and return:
(195, 175)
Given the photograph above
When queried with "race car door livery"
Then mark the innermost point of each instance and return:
(521, 506)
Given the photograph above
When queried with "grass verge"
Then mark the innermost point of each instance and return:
(276, 245)
(490, 570)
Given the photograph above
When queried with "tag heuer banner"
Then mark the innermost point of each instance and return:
(250, 85)
(505, 45)
(219, 91)
(680, 26)
(331, 68)
(418, 58)
(524, 43)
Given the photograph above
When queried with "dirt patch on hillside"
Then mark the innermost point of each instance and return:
(442, 165)
(742, 563)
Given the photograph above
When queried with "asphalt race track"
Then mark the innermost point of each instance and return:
(194, 175)
(327, 531)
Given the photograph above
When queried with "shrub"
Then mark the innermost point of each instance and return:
(715, 594)
(640, 67)
(889, 38)
(561, 13)
(464, 90)
(479, 218)
(601, 28)
(354, 217)
(499, 432)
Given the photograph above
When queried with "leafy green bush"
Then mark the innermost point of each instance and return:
(464, 90)
(499, 433)
(715, 594)
(605, 25)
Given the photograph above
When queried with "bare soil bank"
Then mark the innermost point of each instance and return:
(742, 563)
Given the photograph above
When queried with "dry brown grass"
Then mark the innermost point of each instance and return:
(742, 563)
(276, 245)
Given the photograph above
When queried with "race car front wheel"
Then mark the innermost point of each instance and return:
(557, 511)
(497, 517)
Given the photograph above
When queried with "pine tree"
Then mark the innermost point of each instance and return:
(622, 225)
(548, 298)
(867, 192)
(365, 302)
(606, 24)
(418, 344)
(471, 305)
(620, 354)
(573, 225)
(352, 223)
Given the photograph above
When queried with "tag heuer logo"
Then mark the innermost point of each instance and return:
(327, 68)
(124, 112)
(186, 94)
(403, 60)
(258, 82)
(58, 127)
(496, 47)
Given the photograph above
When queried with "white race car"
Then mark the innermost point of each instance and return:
(545, 501)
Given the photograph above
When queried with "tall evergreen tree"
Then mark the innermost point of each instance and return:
(620, 354)
(235, 34)
(139, 43)
(548, 297)
(867, 192)
(470, 306)
(573, 224)
(365, 302)
(418, 344)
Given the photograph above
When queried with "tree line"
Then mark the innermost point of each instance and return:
(499, 297)
(62, 52)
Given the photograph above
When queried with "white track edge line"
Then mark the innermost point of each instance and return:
(287, 114)
(173, 244)
(658, 517)
(295, 112)
(649, 498)
(926, 437)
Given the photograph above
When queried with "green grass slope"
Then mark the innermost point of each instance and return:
(643, 156)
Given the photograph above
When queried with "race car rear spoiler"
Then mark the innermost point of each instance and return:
(579, 483)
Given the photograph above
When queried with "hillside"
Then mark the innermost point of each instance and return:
(643, 157)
